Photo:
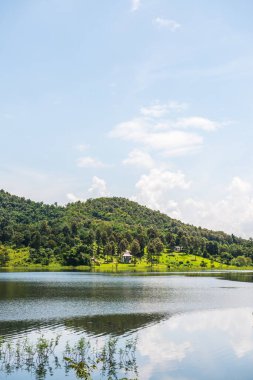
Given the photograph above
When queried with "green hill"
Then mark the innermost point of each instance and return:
(103, 228)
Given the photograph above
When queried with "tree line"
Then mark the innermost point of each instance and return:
(104, 228)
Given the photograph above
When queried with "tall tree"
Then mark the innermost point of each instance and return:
(135, 248)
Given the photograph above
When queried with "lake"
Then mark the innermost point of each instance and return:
(188, 326)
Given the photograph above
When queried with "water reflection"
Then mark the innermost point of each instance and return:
(115, 324)
(208, 344)
(246, 276)
(53, 296)
(215, 344)
(189, 327)
(97, 325)
(41, 358)
(236, 275)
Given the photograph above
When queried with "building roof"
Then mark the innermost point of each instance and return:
(127, 254)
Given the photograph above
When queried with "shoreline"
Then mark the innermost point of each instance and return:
(122, 269)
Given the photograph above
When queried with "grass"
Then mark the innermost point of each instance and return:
(166, 262)
(172, 262)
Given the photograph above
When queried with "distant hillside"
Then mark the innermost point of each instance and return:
(25, 211)
(104, 226)
(123, 211)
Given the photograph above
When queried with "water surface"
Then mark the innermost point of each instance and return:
(197, 326)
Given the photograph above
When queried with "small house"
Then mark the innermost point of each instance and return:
(127, 257)
(178, 248)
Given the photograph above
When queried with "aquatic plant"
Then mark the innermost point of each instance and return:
(39, 358)
(110, 359)
(36, 358)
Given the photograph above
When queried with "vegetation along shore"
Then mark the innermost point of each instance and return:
(110, 235)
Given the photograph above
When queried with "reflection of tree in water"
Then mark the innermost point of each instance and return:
(112, 360)
(238, 276)
(114, 324)
(241, 276)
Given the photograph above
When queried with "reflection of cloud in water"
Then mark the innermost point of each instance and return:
(236, 323)
(158, 351)
(154, 345)
(204, 342)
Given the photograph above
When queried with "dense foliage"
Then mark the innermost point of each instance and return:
(105, 227)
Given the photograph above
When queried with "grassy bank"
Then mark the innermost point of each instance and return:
(172, 262)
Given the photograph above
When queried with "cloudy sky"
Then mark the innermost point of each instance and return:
(146, 99)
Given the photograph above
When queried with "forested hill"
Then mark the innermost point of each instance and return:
(104, 226)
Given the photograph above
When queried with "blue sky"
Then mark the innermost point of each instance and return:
(149, 99)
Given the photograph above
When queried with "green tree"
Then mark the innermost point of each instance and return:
(158, 246)
(123, 245)
(151, 252)
(4, 257)
(135, 249)
(241, 261)
(36, 240)
(152, 233)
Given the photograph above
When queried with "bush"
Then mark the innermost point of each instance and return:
(241, 261)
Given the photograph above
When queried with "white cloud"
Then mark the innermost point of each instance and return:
(239, 186)
(133, 130)
(172, 25)
(98, 188)
(159, 110)
(74, 198)
(135, 5)
(89, 162)
(156, 137)
(140, 159)
(173, 143)
(233, 213)
(169, 137)
(151, 135)
(199, 123)
(153, 188)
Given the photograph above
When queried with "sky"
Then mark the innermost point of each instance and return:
(145, 99)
